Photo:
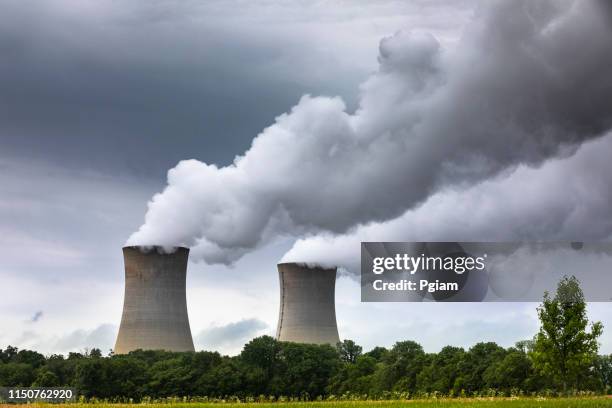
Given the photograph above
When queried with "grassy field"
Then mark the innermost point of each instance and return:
(443, 403)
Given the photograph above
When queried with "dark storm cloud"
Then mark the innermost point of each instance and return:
(134, 87)
(529, 81)
(138, 86)
(103, 92)
(58, 225)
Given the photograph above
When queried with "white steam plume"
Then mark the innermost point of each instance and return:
(563, 200)
(528, 81)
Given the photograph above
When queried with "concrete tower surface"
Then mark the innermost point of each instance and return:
(155, 303)
(307, 305)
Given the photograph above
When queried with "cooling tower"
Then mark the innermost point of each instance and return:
(307, 305)
(155, 304)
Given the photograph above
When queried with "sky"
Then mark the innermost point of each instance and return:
(100, 99)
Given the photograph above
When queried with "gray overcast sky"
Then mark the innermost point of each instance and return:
(137, 86)
(100, 98)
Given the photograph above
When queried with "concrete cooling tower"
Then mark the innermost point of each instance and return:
(155, 304)
(307, 305)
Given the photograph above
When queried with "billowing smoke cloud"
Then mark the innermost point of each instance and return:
(528, 81)
(563, 200)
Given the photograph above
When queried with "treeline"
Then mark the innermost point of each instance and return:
(562, 357)
(272, 368)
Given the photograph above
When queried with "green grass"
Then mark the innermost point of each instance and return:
(443, 403)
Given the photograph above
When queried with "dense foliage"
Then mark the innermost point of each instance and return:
(565, 348)
(272, 368)
(562, 356)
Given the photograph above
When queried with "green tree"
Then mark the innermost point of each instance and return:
(355, 378)
(564, 349)
(172, 377)
(304, 369)
(603, 369)
(261, 352)
(7, 355)
(401, 367)
(16, 375)
(260, 357)
(32, 358)
(63, 369)
(90, 378)
(510, 372)
(440, 374)
(349, 351)
(473, 365)
(378, 353)
(226, 378)
(46, 378)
